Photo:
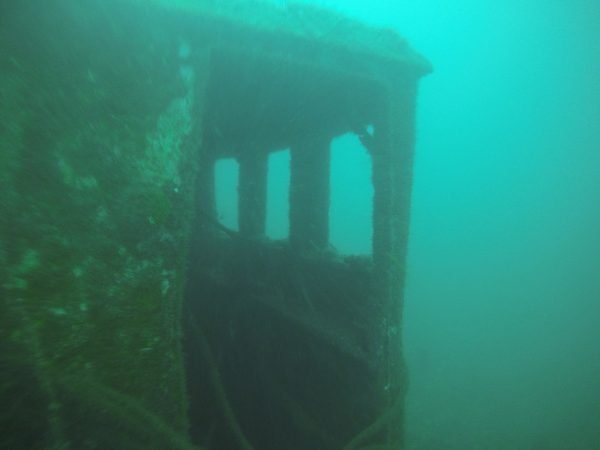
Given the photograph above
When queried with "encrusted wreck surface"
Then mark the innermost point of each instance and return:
(112, 114)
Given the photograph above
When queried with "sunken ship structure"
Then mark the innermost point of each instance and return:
(131, 318)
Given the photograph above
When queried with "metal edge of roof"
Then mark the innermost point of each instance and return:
(306, 22)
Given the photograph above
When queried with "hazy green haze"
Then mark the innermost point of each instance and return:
(502, 306)
(502, 322)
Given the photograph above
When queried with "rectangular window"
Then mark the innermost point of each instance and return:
(351, 207)
(278, 195)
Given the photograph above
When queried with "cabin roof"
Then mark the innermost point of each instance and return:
(279, 74)
(306, 22)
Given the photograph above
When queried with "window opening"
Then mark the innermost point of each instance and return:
(351, 204)
(278, 195)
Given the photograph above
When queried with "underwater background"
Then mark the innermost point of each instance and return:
(502, 319)
(501, 327)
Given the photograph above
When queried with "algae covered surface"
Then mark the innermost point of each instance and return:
(95, 121)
